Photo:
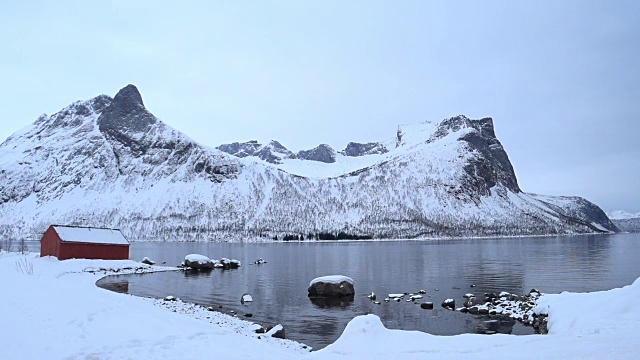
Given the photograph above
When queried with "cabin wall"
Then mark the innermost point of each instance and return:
(93, 251)
(49, 244)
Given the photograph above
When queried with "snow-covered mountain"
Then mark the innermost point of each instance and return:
(110, 162)
(625, 221)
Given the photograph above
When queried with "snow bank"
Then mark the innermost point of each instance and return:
(601, 325)
(59, 313)
(592, 313)
(332, 279)
(60, 306)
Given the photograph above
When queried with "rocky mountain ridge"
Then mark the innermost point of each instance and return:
(109, 162)
(274, 152)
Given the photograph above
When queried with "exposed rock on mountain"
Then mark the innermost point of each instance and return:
(110, 163)
(273, 152)
(358, 149)
(322, 153)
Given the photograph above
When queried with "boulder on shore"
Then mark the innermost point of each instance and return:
(331, 286)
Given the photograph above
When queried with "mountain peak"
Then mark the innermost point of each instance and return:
(128, 97)
(126, 112)
(323, 153)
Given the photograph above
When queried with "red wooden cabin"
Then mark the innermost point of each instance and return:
(69, 242)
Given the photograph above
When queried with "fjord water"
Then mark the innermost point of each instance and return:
(444, 268)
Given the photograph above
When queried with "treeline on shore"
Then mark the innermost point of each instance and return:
(322, 236)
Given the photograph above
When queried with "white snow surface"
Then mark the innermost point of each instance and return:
(197, 258)
(332, 279)
(90, 235)
(82, 321)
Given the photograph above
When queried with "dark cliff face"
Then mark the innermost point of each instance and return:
(492, 166)
(323, 153)
(241, 150)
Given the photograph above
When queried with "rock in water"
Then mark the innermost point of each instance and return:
(198, 262)
(426, 305)
(147, 261)
(276, 332)
(331, 286)
(246, 298)
(230, 263)
(449, 304)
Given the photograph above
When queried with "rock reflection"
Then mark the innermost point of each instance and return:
(494, 325)
(119, 286)
(330, 302)
(196, 273)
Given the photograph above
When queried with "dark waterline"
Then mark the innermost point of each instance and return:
(279, 288)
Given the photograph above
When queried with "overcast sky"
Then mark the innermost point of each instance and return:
(560, 78)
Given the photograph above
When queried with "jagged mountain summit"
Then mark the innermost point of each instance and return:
(109, 162)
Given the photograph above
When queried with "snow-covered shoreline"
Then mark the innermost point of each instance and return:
(55, 311)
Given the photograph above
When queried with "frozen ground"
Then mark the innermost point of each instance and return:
(57, 312)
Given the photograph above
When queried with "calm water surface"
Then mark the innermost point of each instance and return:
(445, 269)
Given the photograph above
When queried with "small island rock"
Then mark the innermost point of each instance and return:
(198, 262)
(331, 286)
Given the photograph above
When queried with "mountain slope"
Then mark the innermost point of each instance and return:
(625, 220)
(110, 162)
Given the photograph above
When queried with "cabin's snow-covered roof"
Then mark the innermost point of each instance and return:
(90, 235)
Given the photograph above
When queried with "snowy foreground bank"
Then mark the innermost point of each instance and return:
(52, 310)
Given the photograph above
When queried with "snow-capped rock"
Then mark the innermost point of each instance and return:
(331, 286)
(109, 162)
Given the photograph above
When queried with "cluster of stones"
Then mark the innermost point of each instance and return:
(204, 263)
(517, 307)
(410, 297)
